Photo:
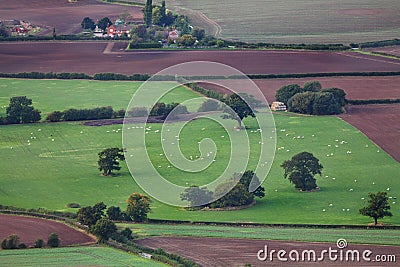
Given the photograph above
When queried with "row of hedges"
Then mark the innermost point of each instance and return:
(333, 47)
(144, 45)
(377, 43)
(73, 114)
(373, 101)
(76, 75)
(143, 77)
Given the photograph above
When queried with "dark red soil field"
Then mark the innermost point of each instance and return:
(89, 58)
(238, 252)
(48, 13)
(355, 87)
(390, 50)
(29, 229)
(380, 123)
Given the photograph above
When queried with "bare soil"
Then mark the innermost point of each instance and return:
(29, 229)
(380, 123)
(355, 87)
(88, 57)
(66, 17)
(238, 252)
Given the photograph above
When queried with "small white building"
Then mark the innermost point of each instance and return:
(278, 106)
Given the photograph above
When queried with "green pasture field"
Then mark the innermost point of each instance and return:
(51, 95)
(353, 236)
(52, 164)
(73, 256)
(295, 21)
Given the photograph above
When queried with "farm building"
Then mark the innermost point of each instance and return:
(278, 106)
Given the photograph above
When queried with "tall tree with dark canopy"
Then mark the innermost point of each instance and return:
(378, 206)
(239, 109)
(250, 179)
(104, 23)
(138, 207)
(88, 23)
(286, 92)
(148, 13)
(91, 214)
(103, 229)
(20, 110)
(301, 169)
(109, 160)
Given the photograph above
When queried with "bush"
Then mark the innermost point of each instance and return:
(53, 241)
(138, 112)
(39, 243)
(144, 45)
(55, 116)
(114, 213)
(302, 103)
(73, 205)
(127, 233)
(325, 104)
(22, 246)
(12, 242)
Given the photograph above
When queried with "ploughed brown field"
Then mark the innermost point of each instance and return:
(389, 50)
(64, 16)
(355, 87)
(93, 57)
(238, 252)
(380, 123)
(29, 229)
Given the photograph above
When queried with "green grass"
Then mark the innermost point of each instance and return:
(73, 256)
(52, 164)
(296, 21)
(50, 95)
(373, 236)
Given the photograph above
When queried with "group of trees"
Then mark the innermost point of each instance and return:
(312, 99)
(239, 195)
(88, 23)
(20, 110)
(13, 242)
(101, 221)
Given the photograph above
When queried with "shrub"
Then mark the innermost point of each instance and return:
(39, 243)
(22, 246)
(54, 116)
(53, 240)
(138, 112)
(73, 205)
(12, 242)
(127, 233)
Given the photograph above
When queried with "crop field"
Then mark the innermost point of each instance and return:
(359, 236)
(73, 256)
(305, 21)
(51, 165)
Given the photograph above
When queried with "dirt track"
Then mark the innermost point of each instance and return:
(238, 252)
(29, 229)
(49, 13)
(88, 57)
(380, 123)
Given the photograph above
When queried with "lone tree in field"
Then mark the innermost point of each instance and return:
(239, 109)
(20, 110)
(138, 207)
(301, 169)
(378, 206)
(109, 160)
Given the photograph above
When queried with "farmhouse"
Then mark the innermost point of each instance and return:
(278, 106)
(174, 34)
